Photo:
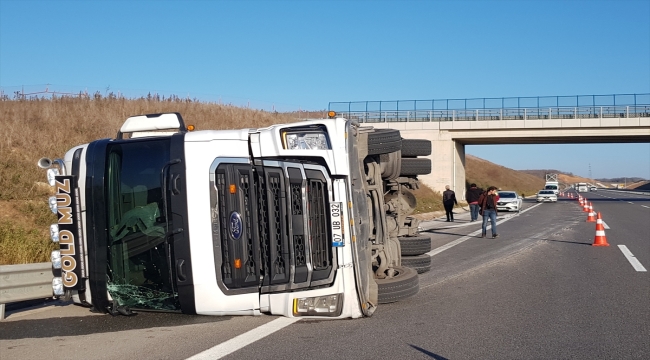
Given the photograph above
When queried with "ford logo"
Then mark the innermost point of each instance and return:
(235, 225)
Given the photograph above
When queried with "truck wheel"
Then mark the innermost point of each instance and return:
(403, 285)
(414, 245)
(414, 167)
(421, 263)
(384, 141)
(416, 147)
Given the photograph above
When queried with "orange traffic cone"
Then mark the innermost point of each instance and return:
(585, 206)
(591, 217)
(600, 239)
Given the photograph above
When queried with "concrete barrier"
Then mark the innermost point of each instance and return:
(24, 282)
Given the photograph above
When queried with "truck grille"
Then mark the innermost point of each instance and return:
(284, 227)
(239, 252)
(318, 229)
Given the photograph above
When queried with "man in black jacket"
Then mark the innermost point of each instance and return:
(488, 203)
(448, 200)
(471, 196)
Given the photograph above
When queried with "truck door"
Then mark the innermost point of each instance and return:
(139, 254)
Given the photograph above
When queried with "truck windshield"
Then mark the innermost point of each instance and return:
(139, 257)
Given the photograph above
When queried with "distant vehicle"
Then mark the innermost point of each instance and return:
(509, 201)
(582, 187)
(593, 188)
(546, 196)
(552, 183)
(552, 186)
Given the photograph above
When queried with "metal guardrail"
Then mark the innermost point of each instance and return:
(529, 102)
(505, 108)
(601, 112)
(24, 282)
(635, 192)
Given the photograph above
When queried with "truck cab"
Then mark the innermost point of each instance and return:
(555, 186)
(300, 219)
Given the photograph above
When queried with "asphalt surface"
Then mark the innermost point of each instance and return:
(539, 291)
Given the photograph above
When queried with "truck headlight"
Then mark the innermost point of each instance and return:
(57, 286)
(328, 305)
(52, 173)
(54, 232)
(308, 138)
(56, 259)
(53, 204)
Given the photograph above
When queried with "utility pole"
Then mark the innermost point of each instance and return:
(590, 171)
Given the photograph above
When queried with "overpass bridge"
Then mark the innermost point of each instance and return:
(453, 123)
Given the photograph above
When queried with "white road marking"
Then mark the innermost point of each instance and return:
(605, 225)
(450, 245)
(629, 202)
(647, 207)
(636, 264)
(247, 338)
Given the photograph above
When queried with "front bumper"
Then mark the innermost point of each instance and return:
(547, 199)
(508, 206)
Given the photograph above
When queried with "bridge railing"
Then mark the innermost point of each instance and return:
(582, 112)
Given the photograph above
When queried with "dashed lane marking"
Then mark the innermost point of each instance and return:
(636, 264)
(605, 225)
(647, 207)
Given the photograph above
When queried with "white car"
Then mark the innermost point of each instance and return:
(546, 195)
(509, 201)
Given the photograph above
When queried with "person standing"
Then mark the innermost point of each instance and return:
(488, 204)
(449, 200)
(471, 196)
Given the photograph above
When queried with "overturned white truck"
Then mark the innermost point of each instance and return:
(303, 219)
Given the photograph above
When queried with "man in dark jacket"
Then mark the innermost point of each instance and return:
(448, 200)
(471, 196)
(488, 203)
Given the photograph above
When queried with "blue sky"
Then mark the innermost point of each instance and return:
(292, 55)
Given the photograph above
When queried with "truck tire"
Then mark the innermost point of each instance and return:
(405, 284)
(416, 147)
(421, 263)
(414, 167)
(384, 141)
(414, 245)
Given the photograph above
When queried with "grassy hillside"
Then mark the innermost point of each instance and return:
(49, 127)
(484, 174)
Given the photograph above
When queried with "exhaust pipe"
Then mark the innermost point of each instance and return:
(44, 163)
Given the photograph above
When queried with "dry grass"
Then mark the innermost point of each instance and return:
(428, 200)
(24, 232)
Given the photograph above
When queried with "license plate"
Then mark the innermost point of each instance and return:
(336, 216)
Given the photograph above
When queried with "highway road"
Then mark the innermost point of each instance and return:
(539, 291)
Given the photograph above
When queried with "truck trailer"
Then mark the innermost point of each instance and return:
(307, 219)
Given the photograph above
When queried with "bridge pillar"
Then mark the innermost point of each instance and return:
(447, 160)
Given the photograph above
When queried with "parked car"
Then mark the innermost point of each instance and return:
(546, 195)
(509, 201)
